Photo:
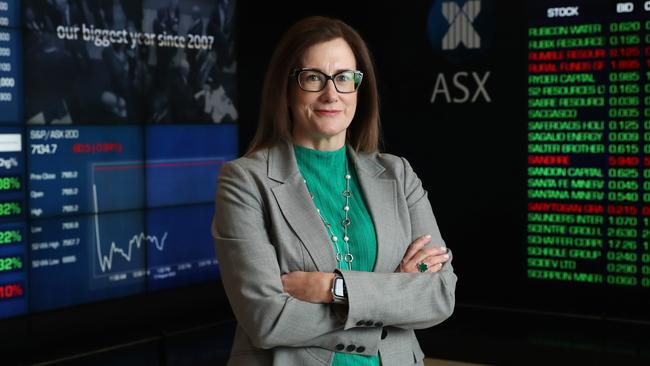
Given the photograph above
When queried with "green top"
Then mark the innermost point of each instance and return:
(324, 172)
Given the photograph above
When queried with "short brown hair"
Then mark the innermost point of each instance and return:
(274, 122)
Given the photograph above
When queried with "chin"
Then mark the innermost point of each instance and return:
(331, 125)
(330, 132)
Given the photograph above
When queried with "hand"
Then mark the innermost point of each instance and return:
(314, 287)
(416, 253)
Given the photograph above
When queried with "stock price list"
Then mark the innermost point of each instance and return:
(13, 238)
(13, 250)
(588, 143)
(11, 103)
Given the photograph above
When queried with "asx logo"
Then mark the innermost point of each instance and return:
(460, 25)
(461, 32)
(455, 27)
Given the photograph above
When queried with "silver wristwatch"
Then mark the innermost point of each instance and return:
(339, 292)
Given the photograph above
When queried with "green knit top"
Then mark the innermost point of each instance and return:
(324, 173)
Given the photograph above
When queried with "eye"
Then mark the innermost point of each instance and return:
(345, 77)
(311, 77)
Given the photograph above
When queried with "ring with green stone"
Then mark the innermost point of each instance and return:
(422, 267)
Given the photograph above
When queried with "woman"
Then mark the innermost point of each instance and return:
(312, 224)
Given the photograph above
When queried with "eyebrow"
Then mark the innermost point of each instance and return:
(318, 69)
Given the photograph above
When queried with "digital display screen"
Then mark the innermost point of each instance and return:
(528, 124)
(588, 173)
(115, 118)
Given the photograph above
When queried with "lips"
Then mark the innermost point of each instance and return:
(328, 112)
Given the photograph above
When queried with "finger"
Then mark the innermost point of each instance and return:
(439, 259)
(434, 262)
(423, 254)
(435, 268)
(415, 247)
(430, 251)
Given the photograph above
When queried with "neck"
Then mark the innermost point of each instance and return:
(331, 143)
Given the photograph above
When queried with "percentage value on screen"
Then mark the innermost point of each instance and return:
(12, 263)
(11, 291)
(10, 236)
(10, 209)
(10, 183)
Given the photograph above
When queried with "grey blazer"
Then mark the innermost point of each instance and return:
(265, 225)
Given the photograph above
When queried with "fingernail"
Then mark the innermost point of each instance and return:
(444, 250)
(445, 256)
(428, 236)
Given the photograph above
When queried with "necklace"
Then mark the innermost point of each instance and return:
(347, 193)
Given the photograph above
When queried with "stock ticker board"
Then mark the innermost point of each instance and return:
(588, 143)
(109, 153)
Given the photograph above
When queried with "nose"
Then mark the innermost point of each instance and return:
(329, 93)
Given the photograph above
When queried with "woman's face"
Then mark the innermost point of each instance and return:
(320, 119)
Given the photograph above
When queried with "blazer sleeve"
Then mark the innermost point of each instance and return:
(251, 276)
(405, 300)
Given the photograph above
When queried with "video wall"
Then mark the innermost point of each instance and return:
(528, 124)
(589, 143)
(115, 117)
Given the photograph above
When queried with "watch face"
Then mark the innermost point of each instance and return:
(338, 287)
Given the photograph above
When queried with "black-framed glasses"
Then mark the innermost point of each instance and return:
(312, 80)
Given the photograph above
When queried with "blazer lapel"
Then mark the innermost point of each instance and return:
(296, 206)
(381, 199)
